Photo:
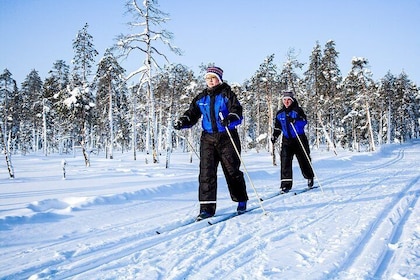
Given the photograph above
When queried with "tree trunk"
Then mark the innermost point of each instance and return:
(111, 126)
(370, 130)
(44, 126)
(6, 145)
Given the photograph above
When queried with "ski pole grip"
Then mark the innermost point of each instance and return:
(221, 116)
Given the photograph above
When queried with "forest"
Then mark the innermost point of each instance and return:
(90, 106)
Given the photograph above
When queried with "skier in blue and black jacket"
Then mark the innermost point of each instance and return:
(289, 118)
(215, 144)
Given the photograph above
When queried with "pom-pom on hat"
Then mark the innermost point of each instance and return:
(288, 95)
(215, 71)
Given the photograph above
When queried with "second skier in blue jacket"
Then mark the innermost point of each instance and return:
(290, 120)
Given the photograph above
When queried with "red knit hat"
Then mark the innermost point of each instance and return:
(216, 71)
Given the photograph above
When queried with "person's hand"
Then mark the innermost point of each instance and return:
(230, 118)
(291, 120)
(180, 123)
(292, 116)
(274, 139)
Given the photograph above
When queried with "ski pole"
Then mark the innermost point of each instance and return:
(189, 143)
(307, 156)
(243, 164)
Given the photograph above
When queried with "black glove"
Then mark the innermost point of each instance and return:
(274, 139)
(180, 123)
(292, 117)
(291, 120)
(230, 118)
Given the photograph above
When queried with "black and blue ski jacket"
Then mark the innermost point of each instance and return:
(286, 117)
(209, 104)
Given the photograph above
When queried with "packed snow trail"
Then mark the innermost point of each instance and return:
(364, 225)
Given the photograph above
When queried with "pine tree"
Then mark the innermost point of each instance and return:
(7, 89)
(315, 96)
(359, 90)
(405, 102)
(266, 83)
(330, 81)
(8, 120)
(55, 92)
(386, 91)
(31, 127)
(81, 101)
(289, 79)
(110, 103)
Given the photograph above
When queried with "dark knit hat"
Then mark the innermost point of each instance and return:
(215, 71)
(289, 94)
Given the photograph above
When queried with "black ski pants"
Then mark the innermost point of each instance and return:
(291, 147)
(215, 148)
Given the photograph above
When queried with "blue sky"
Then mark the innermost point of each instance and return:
(237, 35)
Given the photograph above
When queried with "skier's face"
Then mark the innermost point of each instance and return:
(212, 81)
(287, 102)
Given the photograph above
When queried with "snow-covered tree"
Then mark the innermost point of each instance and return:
(30, 128)
(111, 102)
(148, 38)
(8, 119)
(172, 90)
(289, 79)
(314, 97)
(330, 85)
(265, 82)
(57, 120)
(81, 101)
(359, 92)
(406, 105)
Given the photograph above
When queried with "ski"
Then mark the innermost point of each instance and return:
(220, 218)
(227, 216)
(305, 190)
(224, 217)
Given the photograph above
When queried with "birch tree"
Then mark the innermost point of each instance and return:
(148, 38)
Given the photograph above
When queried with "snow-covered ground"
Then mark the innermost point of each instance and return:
(124, 219)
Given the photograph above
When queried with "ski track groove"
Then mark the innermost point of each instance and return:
(241, 245)
(337, 178)
(402, 202)
(122, 248)
(396, 235)
(98, 233)
(116, 249)
(71, 255)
